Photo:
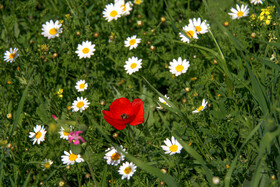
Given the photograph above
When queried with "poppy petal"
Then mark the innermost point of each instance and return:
(120, 106)
(138, 111)
(114, 123)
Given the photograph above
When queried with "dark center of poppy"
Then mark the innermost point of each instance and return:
(124, 116)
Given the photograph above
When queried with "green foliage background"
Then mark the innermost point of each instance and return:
(239, 128)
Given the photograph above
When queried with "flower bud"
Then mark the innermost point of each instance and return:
(87, 175)
(96, 34)
(163, 19)
(78, 33)
(163, 170)
(187, 89)
(140, 23)
(253, 35)
(226, 23)
(9, 115)
(54, 55)
(61, 183)
(152, 48)
(102, 102)
(115, 135)
(216, 180)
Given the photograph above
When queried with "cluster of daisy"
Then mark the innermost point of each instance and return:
(116, 10)
(133, 64)
(81, 103)
(193, 29)
(38, 136)
(199, 109)
(114, 157)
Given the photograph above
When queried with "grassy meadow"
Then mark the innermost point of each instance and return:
(141, 93)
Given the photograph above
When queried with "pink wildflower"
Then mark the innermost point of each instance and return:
(75, 138)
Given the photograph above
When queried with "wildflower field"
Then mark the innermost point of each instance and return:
(140, 93)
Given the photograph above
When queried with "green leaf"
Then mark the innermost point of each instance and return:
(76, 149)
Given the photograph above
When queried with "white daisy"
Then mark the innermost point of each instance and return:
(127, 170)
(256, 2)
(172, 147)
(201, 27)
(112, 12)
(132, 42)
(46, 164)
(179, 67)
(113, 156)
(81, 85)
(126, 7)
(51, 29)
(163, 101)
(202, 107)
(190, 31)
(11, 55)
(63, 133)
(71, 158)
(132, 65)
(80, 104)
(85, 50)
(39, 135)
(239, 12)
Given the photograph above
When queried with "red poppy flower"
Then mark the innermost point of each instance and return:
(123, 112)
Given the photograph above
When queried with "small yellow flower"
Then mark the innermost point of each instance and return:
(59, 93)
(67, 15)
(227, 166)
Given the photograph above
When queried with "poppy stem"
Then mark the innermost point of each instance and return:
(131, 133)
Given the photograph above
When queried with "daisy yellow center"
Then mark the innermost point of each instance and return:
(115, 156)
(80, 104)
(85, 50)
(52, 31)
(200, 108)
(190, 33)
(164, 102)
(240, 13)
(198, 28)
(123, 7)
(173, 148)
(65, 133)
(47, 165)
(113, 13)
(82, 86)
(132, 42)
(127, 170)
(12, 55)
(179, 68)
(138, 2)
(38, 135)
(73, 157)
(133, 65)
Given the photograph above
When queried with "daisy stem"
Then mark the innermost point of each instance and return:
(218, 46)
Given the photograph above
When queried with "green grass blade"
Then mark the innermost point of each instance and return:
(103, 181)
(233, 164)
(264, 145)
(196, 156)
(25, 184)
(19, 109)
